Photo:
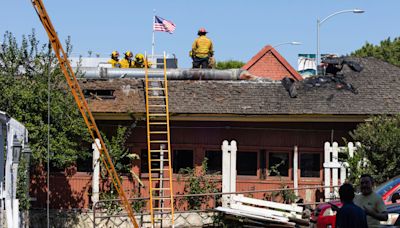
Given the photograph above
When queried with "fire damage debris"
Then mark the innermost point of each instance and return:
(333, 74)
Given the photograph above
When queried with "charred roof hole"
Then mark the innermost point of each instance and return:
(99, 94)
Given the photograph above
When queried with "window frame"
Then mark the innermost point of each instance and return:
(253, 177)
(310, 151)
(182, 148)
(290, 165)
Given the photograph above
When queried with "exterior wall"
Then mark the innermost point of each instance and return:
(73, 191)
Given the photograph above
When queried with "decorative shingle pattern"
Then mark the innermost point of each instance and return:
(378, 87)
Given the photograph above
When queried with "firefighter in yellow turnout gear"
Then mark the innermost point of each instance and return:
(202, 50)
(127, 61)
(114, 61)
(140, 61)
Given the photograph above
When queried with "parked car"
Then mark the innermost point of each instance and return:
(394, 218)
(325, 217)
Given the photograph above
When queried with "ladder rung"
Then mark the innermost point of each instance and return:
(158, 150)
(156, 88)
(158, 132)
(156, 97)
(158, 114)
(165, 169)
(162, 208)
(160, 179)
(157, 105)
(155, 160)
(158, 189)
(158, 123)
(156, 80)
(158, 141)
(162, 198)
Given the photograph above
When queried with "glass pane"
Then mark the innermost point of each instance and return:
(278, 164)
(246, 163)
(182, 159)
(309, 164)
(214, 162)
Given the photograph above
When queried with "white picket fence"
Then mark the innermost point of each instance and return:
(332, 166)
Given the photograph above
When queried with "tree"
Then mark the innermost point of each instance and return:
(25, 71)
(380, 144)
(230, 64)
(387, 50)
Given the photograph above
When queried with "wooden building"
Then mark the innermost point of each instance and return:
(260, 115)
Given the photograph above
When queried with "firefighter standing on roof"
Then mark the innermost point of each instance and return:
(114, 61)
(202, 50)
(127, 61)
(140, 61)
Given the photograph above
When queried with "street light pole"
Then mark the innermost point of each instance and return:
(291, 43)
(319, 23)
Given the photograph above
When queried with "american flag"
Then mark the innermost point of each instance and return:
(162, 25)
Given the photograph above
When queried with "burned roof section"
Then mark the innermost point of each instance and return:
(377, 93)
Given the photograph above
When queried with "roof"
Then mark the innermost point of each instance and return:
(377, 86)
(268, 63)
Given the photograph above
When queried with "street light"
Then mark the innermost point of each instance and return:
(319, 23)
(27, 153)
(291, 43)
(17, 147)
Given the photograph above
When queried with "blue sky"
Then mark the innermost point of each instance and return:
(239, 29)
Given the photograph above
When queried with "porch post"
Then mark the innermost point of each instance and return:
(327, 171)
(295, 169)
(96, 171)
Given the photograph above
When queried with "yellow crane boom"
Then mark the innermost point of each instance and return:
(82, 104)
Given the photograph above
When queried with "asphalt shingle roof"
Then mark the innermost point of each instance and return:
(378, 87)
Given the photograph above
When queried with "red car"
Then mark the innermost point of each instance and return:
(325, 217)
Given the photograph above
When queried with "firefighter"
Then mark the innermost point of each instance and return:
(202, 50)
(114, 61)
(140, 61)
(127, 61)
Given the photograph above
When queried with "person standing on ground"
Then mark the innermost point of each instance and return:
(371, 202)
(349, 215)
(202, 50)
(114, 61)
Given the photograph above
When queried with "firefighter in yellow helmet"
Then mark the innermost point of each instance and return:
(140, 61)
(127, 61)
(202, 50)
(114, 61)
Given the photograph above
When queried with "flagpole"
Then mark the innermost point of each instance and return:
(153, 41)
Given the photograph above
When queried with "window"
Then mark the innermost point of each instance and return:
(278, 164)
(144, 164)
(214, 162)
(84, 164)
(246, 163)
(182, 159)
(310, 164)
(99, 93)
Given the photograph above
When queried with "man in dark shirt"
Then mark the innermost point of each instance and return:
(349, 215)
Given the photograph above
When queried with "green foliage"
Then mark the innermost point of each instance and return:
(388, 50)
(122, 160)
(197, 182)
(22, 187)
(288, 196)
(24, 73)
(380, 144)
(229, 64)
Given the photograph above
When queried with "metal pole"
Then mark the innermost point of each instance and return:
(153, 41)
(317, 56)
(48, 151)
(162, 147)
